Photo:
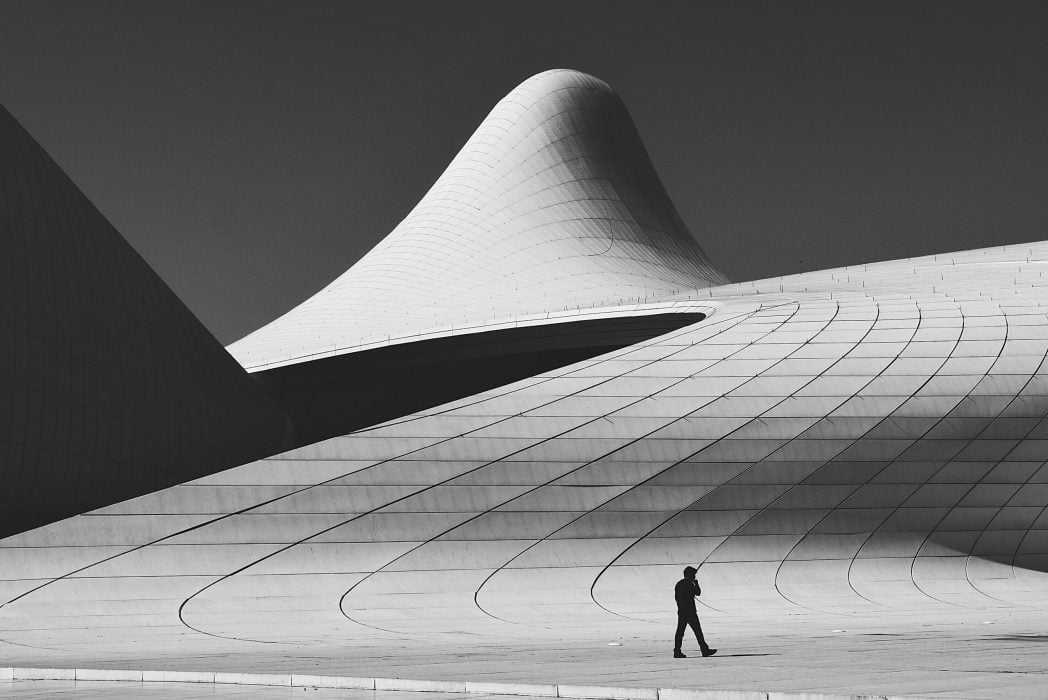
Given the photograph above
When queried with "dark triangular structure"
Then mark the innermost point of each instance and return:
(109, 386)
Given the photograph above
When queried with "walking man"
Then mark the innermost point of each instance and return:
(685, 592)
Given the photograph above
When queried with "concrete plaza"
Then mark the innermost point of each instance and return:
(994, 653)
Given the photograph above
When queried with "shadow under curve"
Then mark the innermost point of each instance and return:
(336, 395)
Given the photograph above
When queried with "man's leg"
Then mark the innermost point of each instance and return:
(696, 627)
(678, 638)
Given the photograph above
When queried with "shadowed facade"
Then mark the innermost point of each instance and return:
(109, 386)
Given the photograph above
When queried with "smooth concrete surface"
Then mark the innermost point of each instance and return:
(854, 459)
(84, 690)
(834, 456)
(428, 690)
(959, 658)
(551, 205)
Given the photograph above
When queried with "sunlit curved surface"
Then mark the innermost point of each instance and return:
(853, 442)
(865, 443)
(551, 206)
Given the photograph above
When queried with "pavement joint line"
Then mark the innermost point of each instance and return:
(548, 690)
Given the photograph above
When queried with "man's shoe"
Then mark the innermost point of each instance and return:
(678, 655)
(709, 652)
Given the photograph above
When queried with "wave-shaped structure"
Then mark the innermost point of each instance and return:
(551, 205)
(867, 442)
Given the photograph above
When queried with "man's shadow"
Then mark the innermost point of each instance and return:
(726, 656)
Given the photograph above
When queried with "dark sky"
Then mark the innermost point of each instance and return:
(252, 151)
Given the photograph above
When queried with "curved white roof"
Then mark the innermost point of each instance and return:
(551, 204)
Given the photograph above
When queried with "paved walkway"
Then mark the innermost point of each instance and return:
(995, 655)
(103, 690)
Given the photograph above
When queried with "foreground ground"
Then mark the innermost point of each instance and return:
(993, 654)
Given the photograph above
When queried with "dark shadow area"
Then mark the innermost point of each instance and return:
(110, 387)
(1028, 557)
(732, 656)
(336, 395)
(1021, 638)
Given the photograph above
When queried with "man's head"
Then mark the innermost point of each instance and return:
(690, 571)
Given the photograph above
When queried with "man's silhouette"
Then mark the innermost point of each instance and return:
(685, 591)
